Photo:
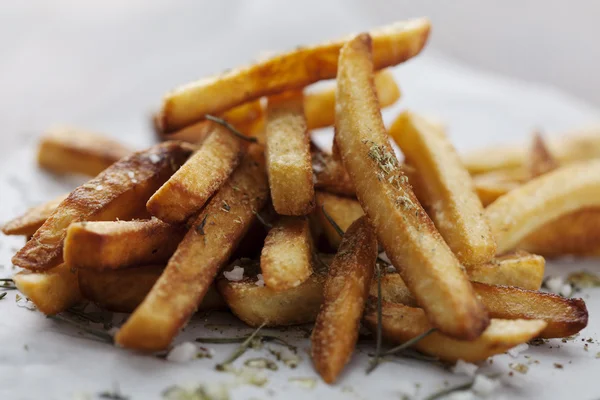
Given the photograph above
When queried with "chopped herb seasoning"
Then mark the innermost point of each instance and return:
(200, 227)
(558, 366)
(240, 350)
(225, 207)
(521, 368)
(261, 363)
(114, 394)
(2, 295)
(262, 220)
(332, 221)
(231, 128)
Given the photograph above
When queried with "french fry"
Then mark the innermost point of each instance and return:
(120, 244)
(205, 248)
(120, 191)
(123, 290)
(187, 104)
(580, 145)
(492, 185)
(524, 210)
(346, 289)
(540, 160)
(186, 192)
(344, 211)
(576, 233)
(51, 291)
(256, 305)
(519, 269)
(32, 219)
(330, 175)
(78, 152)
(286, 258)
(448, 190)
(288, 155)
(408, 236)
(319, 106)
(401, 323)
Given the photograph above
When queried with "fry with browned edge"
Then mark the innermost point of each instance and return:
(30, 221)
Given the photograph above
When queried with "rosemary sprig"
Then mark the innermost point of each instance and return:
(262, 220)
(263, 337)
(240, 350)
(332, 222)
(2, 295)
(376, 360)
(7, 284)
(100, 334)
(231, 128)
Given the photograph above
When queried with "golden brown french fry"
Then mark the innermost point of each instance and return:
(492, 185)
(580, 145)
(401, 323)
(187, 104)
(519, 269)
(346, 290)
(32, 219)
(409, 238)
(286, 258)
(51, 291)
(576, 233)
(524, 210)
(78, 152)
(186, 192)
(319, 106)
(448, 191)
(123, 290)
(540, 159)
(120, 191)
(330, 175)
(120, 244)
(288, 155)
(343, 210)
(205, 248)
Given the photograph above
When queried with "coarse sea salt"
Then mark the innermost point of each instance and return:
(183, 352)
(484, 386)
(154, 158)
(235, 275)
(518, 349)
(554, 284)
(260, 281)
(464, 368)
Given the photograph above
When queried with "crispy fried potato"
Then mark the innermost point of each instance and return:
(32, 219)
(346, 289)
(120, 191)
(524, 210)
(205, 248)
(51, 291)
(186, 192)
(78, 152)
(448, 189)
(286, 258)
(540, 159)
(288, 155)
(492, 185)
(402, 323)
(120, 244)
(580, 145)
(330, 175)
(319, 106)
(344, 211)
(519, 269)
(124, 289)
(187, 104)
(408, 236)
(576, 233)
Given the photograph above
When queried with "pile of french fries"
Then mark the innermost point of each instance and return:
(237, 210)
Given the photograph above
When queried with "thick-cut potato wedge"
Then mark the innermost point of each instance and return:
(540, 160)
(32, 219)
(120, 244)
(205, 248)
(330, 175)
(124, 289)
(402, 323)
(574, 146)
(319, 106)
(78, 152)
(524, 210)
(576, 233)
(257, 305)
(51, 291)
(288, 155)
(519, 269)
(409, 238)
(186, 192)
(492, 185)
(343, 210)
(243, 117)
(448, 192)
(286, 258)
(120, 191)
(187, 104)
(346, 290)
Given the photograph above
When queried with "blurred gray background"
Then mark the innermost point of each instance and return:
(75, 62)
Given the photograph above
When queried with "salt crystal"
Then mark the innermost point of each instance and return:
(183, 352)
(464, 368)
(384, 257)
(484, 386)
(154, 158)
(260, 281)
(515, 351)
(554, 284)
(566, 290)
(235, 275)
(99, 187)
(131, 174)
